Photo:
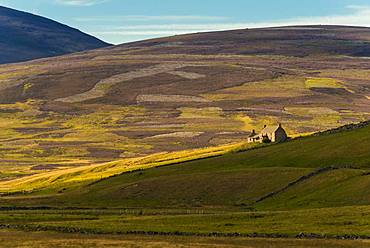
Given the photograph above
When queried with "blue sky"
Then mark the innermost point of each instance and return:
(119, 21)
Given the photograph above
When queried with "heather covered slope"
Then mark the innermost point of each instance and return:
(179, 93)
(24, 36)
(298, 41)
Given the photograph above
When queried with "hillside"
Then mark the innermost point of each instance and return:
(179, 93)
(26, 36)
(297, 41)
(316, 171)
(309, 188)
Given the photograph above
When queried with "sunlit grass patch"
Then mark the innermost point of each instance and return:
(6, 132)
(321, 118)
(27, 87)
(323, 83)
(258, 122)
(104, 117)
(248, 122)
(18, 115)
(326, 83)
(284, 87)
(349, 116)
(312, 118)
(297, 121)
(10, 172)
(61, 178)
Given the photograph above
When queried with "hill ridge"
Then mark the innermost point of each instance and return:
(31, 36)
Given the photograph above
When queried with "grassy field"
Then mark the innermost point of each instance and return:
(343, 223)
(47, 239)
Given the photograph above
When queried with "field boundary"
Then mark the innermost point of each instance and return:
(87, 231)
(299, 180)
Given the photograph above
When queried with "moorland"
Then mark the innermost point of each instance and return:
(148, 139)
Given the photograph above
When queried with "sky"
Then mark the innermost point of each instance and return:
(120, 21)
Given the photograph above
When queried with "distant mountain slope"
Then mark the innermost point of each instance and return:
(290, 41)
(25, 36)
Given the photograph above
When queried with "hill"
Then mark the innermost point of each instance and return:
(297, 41)
(312, 188)
(179, 93)
(315, 171)
(26, 36)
